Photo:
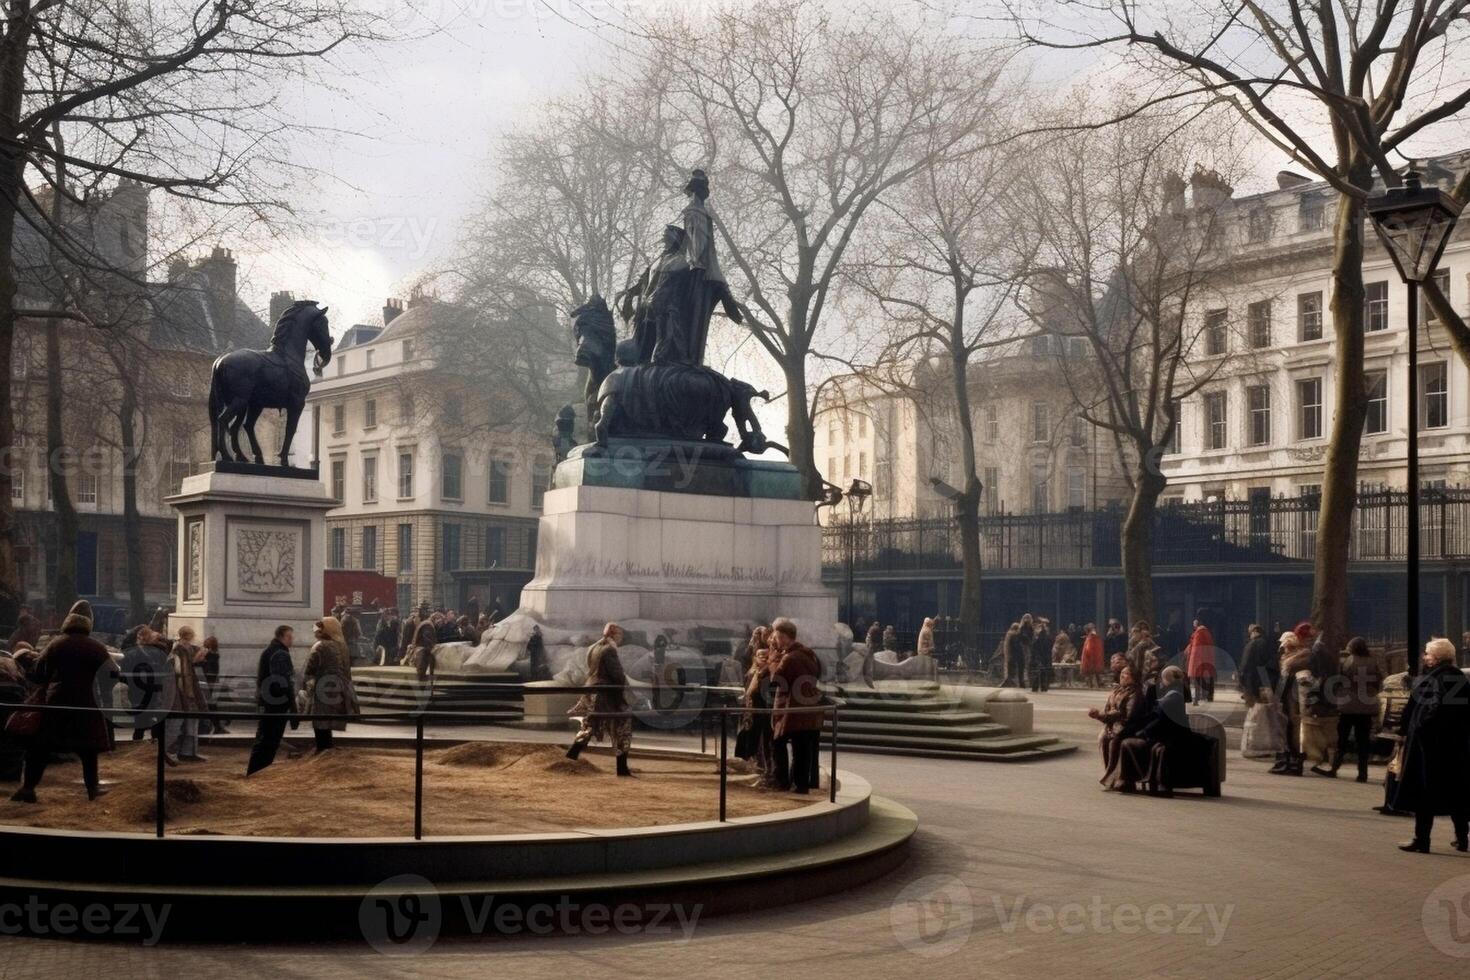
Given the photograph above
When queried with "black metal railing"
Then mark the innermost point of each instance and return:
(129, 718)
(1276, 530)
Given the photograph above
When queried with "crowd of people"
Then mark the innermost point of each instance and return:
(172, 689)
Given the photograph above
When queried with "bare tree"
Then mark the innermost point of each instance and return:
(179, 98)
(1122, 265)
(805, 118)
(939, 263)
(1340, 87)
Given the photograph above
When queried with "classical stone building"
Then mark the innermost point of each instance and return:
(162, 342)
(435, 491)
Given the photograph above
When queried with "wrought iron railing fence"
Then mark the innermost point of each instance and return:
(1259, 531)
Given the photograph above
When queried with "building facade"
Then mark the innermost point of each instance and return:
(447, 507)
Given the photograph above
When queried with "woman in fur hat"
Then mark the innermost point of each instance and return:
(328, 678)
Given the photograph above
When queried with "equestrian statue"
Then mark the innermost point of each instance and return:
(244, 383)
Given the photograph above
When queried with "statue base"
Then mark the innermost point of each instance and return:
(675, 466)
(266, 469)
(699, 569)
(252, 547)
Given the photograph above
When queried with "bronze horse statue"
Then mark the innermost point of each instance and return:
(244, 383)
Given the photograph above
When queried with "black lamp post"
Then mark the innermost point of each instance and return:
(1414, 222)
(857, 494)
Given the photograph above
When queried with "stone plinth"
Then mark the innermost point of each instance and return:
(252, 547)
(606, 553)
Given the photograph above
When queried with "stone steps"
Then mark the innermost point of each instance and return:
(916, 718)
(397, 689)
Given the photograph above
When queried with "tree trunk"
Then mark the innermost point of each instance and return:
(1138, 543)
(58, 461)
(967, 507)
(13, 49)
(800, 435)
(1340, 471)
(132, 521)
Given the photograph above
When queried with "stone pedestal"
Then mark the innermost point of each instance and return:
(697, 568)
(252, 547)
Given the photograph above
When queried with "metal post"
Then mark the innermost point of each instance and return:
(418, 778)
(722, 764)
(832, 780)
(1412, 603)
(161, 734)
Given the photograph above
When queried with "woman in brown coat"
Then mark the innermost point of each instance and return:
(608, 697)
(1121, 718)
(70, 670)
(328, 677)
(796, 676)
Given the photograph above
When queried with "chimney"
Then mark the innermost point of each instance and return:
(1173, 188)
(391, 309)
(1287, 179)
(280, 302)
(219, 272)
(1210, 189)
(418, 297)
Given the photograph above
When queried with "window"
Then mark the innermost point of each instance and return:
(1216, 426)
(1442, 280)
(1040, 422)
(86, 488)
(339, 548)
(370, 547)
(1376, 422)
(494, 547)
(1215, 341)
(1173, 443)
(1258, 225)
(1079, 430)
(992, 425)
(1434, 395)
(1309, 408)
(367, 357)
(1041, 346)
(831, 467)
(451, 477)
(540, 480)
(405, 547)
(1040, 496)
(882, 478)
(991, 489)
(862, 466)
(339, 419)
(407, 351)
(451, 547)
(339, 479)
(1258, 323)
(20, 358)
(17, 484)
(1258, 415)
(862, 426)
(832, 430)
(1077, 487)
(405, 408)
(405, 475)
(499, 481)
(846, 468)
(1309, 316)
(1375, 306)
(341, 365)
(1312, 213)
(369, 479)
(370, 414)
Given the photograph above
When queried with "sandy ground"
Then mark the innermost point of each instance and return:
(473, 788)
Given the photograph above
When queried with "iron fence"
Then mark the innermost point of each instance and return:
(1264, 530)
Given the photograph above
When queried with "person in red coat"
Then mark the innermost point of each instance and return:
(70, 669)
(796, 674)
(1200, 661)
(1092, 668)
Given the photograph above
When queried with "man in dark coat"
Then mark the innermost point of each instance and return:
(1260, 666)
(1040, 657)
(387, 636)
(796, 676)
(1436, 730)
(275, 695)
(146, 673)
(70, 670)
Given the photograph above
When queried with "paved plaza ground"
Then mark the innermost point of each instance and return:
(1026, 870)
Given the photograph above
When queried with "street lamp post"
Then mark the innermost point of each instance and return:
(1414, 223)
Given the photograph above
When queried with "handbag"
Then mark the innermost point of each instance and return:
(25, 721)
